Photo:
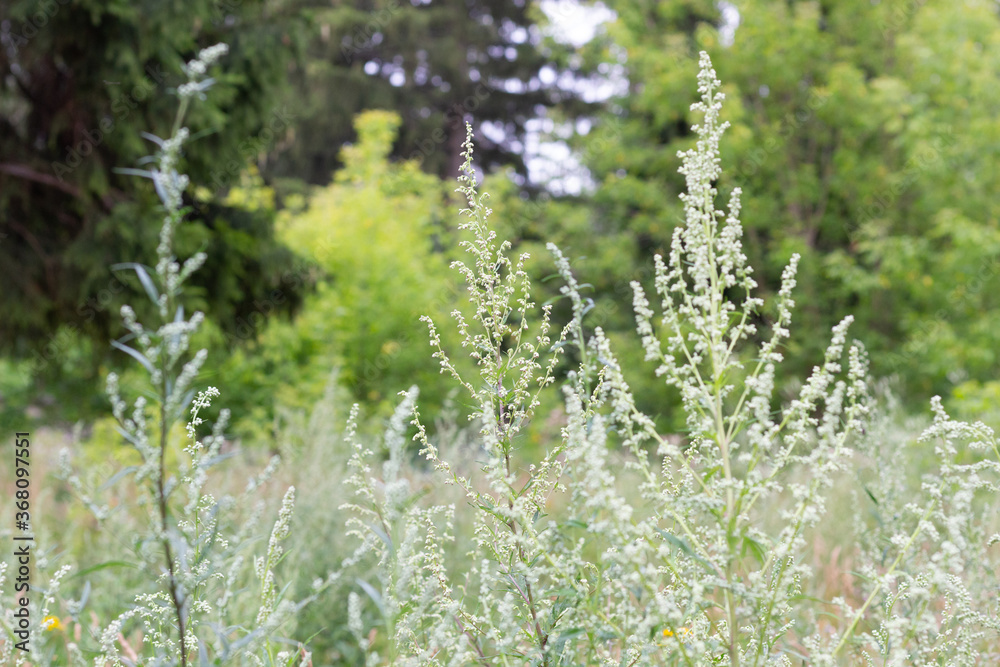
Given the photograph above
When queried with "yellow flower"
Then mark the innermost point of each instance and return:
(684, 632)
(51, 623)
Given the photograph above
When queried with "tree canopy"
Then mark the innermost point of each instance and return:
(864, 136)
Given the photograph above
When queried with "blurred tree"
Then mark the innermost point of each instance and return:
(80, 79)
(372, 233)
(864, 136)
(438, 64)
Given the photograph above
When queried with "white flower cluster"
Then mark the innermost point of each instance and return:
(500, 292)
(264, 565)
(201, 401)
(695, 551)
(197, 68)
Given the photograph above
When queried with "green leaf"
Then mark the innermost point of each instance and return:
(564, 637)
(135, 354)
(756, 548)
(82, 602)
(682, 544)
(101, 566)
(117, 476)
(381, 534)
(147, 282)
(373, 594)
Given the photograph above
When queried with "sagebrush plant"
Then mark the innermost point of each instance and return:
(698, 551)
(928, 547)
(205, 599)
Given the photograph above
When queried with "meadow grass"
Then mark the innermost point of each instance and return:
(820, 530)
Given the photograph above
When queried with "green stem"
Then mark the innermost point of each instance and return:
(878, 588)
(161, 498)
(181, 110)
(718, 371)
(776, 584)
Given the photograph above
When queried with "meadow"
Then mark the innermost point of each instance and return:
(532, 511)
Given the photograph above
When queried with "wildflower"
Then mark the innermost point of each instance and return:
(682, 632)
(51, 623)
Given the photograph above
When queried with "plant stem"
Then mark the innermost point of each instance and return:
(472, 640)
(164, 428)
(543, 639)
(892, 568)
(718, 370)
(161, 498)
(776, 583)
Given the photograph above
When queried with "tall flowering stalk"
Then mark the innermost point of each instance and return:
(161, 350)
(741, 457)
(194, 548)
(506, 394)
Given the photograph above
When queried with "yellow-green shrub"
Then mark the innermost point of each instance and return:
(375, 236)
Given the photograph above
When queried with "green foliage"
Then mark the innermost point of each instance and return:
(863, 134)
(436, 64)
(83, 81)
(376, 236)
(679, 517)
(978, 400)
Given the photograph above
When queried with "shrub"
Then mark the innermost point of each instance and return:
(372, 233)
(699, 551)
(199, 595)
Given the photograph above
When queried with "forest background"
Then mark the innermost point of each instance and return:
(864, 136)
